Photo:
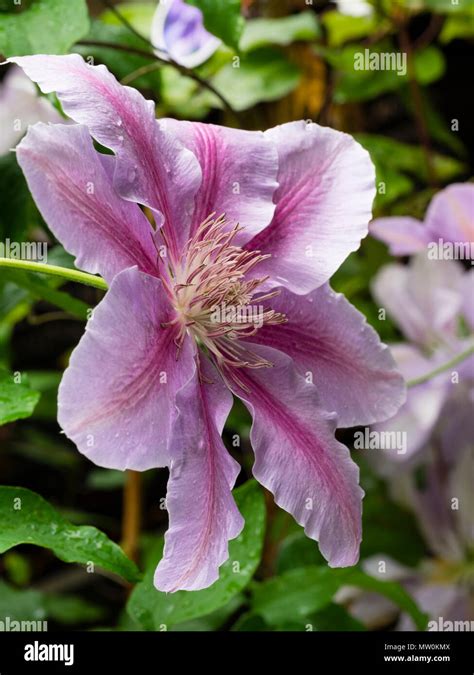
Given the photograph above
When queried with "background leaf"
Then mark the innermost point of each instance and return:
(262, 75)
(343, 27)
(32, 605)
(300, 592)
(43, 27)
(42, 290)
(28, 519)
(222, 19)
(17, 400)
(153, 609)
(282, 31)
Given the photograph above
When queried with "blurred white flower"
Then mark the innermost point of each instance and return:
(21, 105)
(354, 7)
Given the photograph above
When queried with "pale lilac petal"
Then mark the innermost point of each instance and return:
(75, 195)
(393, 570)
(450, 215)
(442, 602)
(178, 32)
(468, 298)
(419, 415)
(424, 298)
(323, 205)
(403, 235)
(456, 424)
(239, 171)
(373, 610)
(153, 168)
(116, 398)
(20, 106)
(331, 343)
(202, 511)
(460, 485)
(431, 505)
(298, 459)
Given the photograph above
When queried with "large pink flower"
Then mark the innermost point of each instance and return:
(205, 304)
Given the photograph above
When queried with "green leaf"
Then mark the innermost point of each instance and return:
(17, 400)
(282, 31)
(250, 623)
(153, 609)
(449, 7)
(389, 529)
(389, 589)
(298, 550)
(362, 85)
(403, 157)
(429, 65)
(29, 519)
(438, 127)
(105, 479)
(138, 14)
(120, 63)
(183, 96)
(333, 617)
(34, 445)
(222, 18)
(16, 205)
(214, 620)
(343, 28)
(42, 290)
(295, 594)
(43, 27)
(300, 592)
(17, 567)
(262, 75)
(31, 605)
(457, 26)
(14, 306)
(59, 256)
(21, 604)
(391, 185)
(46, 382)
(72, 609)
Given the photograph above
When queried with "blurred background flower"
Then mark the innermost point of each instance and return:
(21, 105)
(178, 33)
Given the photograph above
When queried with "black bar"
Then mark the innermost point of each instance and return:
(323, 652)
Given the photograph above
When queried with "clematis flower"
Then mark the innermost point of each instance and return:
(441, 583)
(248, 221)
(178, 32)
(443, 507)
(20, 106)
(432, 301)
(449, 220)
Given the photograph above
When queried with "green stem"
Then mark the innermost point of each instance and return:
(55, 270)
(441, 369)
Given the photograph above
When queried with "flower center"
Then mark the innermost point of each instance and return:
(214, 300)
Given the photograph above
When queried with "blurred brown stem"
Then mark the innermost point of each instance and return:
(123, 20)
(184, 71)
(132, 514)
(139, 72)
(418, 108)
